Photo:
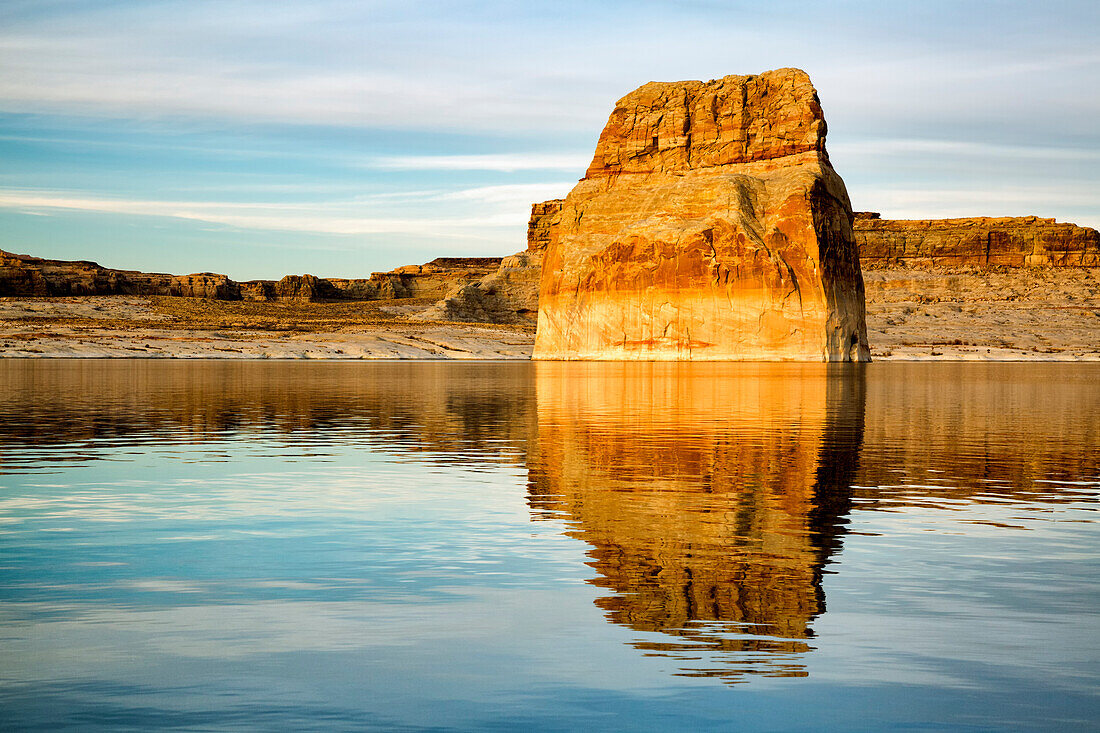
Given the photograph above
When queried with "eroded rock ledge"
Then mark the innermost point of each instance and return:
(1022, 241)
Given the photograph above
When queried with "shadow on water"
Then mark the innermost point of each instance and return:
(712, 497)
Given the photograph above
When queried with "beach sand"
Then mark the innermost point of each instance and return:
(187, 328)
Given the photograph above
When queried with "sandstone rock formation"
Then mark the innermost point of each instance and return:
(24, 275)
(543, 224)
(511, 294)
(709, 226)
(1025, 241)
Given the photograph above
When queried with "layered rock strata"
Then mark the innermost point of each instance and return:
(1023, 241)
(543, 224)
(709, 226)
(24, 275)
(511, 294)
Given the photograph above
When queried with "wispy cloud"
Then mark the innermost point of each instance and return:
(505, 67)
(505, 163)
(528, 193)
(501, 207)
(956, 148)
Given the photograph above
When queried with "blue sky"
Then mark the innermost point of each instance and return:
(339, 138)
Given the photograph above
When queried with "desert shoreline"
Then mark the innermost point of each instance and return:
(34, 339)
(938, 314)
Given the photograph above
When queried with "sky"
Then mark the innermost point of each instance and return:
(259, 138)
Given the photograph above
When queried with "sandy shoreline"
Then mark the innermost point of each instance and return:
(937, 315)
(428, 343)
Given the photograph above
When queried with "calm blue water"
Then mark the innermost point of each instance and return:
(446, 546)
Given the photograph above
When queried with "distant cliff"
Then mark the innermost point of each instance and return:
(24, 275)
(1023, 241)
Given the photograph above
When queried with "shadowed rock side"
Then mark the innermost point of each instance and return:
(710, 530)
(709, 226)
(1024, 241)
(511, 294)
(24, 275)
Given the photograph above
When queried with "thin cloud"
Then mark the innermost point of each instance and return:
(504, 163)
(334, 218)
(875, 148)
(511, 193)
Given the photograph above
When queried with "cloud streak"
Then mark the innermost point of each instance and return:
(960, 148)
(507, 209)
(504, 163)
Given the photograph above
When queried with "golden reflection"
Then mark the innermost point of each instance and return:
(712, 496)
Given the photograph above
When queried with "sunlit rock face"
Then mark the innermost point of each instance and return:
(711, 496)
(709, 226)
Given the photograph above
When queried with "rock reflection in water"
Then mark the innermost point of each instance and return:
(712, 496)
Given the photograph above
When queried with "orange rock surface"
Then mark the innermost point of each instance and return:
(709, 226)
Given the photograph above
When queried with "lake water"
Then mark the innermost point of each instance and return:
(549, 546)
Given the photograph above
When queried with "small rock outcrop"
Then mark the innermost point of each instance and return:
(511, 294)
(1022, 241)
(542, 224)
(709, 226)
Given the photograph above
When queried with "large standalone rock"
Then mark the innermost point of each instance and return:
(709, 225)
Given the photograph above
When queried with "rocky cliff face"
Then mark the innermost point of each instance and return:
(709, 226)
(543, 224)
(511, 294)
(23, 275)
(1025, 241)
